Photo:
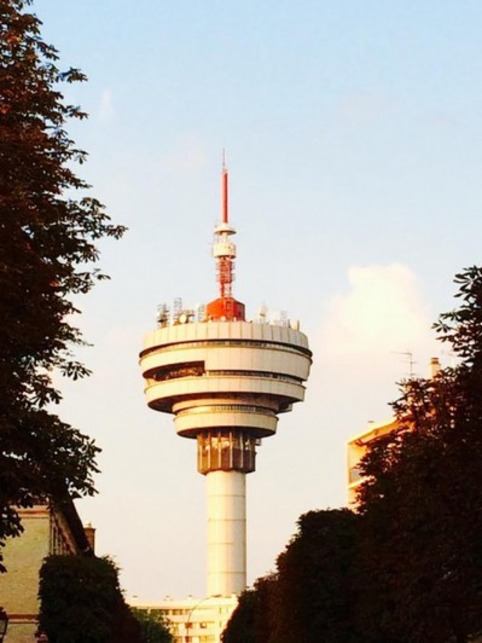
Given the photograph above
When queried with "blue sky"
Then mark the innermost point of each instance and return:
(353, 132)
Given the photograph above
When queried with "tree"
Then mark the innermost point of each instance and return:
(48, 238)
(81, 602)
(422, 502)
(154, 627)
(312, 597)
(253, 618)
(316, 580)
(240, 627)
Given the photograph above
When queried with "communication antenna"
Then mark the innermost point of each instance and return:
(162, 315)
(225, 307)
(224, 249)
(224, 175)
(177, 309)
(411, 362)
(263, 313)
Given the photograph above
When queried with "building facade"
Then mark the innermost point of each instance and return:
(193, 620)
(358, 445)
(357, 448)
(47, 530)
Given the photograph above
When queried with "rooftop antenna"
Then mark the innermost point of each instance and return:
(224, 175)
(224, 249)
(225, 307)
(411, 362)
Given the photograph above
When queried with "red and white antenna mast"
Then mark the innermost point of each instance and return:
(224, 189)
(224, 251)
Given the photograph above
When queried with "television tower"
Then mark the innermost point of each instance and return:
(225, 380)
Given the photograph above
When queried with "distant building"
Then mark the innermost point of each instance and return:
(47, 530)
(357, 448)
(193, 620)
(358, 445)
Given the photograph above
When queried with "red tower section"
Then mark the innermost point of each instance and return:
(225, 308)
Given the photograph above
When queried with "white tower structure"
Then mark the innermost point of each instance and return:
(225, 380)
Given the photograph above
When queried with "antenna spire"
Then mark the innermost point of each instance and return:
(224, 251)
(224, 189)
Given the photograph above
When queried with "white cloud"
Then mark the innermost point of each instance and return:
(383, 312)
(360, 351)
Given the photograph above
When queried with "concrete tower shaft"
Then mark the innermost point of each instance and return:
(226, 532)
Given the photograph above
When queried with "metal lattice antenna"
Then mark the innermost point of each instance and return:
(411, 362)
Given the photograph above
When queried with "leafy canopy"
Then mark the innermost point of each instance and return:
(154, 627)
(49, 227)
(81, 602)
(312, 596)
(422, 502)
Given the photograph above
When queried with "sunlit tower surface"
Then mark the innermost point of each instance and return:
(225, 380)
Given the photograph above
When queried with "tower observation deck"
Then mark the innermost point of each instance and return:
(225, 380)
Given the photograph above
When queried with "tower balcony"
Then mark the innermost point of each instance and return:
(212, 375)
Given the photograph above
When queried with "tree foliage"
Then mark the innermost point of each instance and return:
(153, 627)
(81, 602)
(422, 502)
(311, 598)
(49, 227)
(240, 627)
(317, 589)
(253, 618)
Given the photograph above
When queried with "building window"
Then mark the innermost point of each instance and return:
(354, 474)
